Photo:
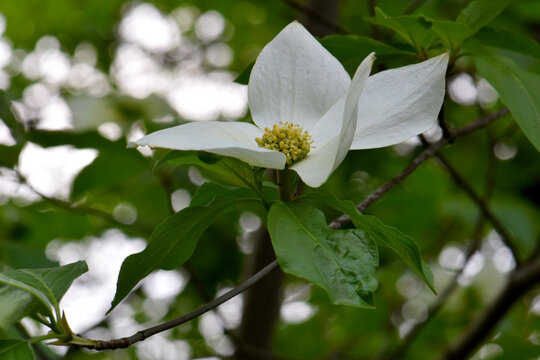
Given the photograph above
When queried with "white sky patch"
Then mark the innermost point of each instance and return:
(230, 311)
(408, 285)
(180, 199)
(110, 130)
(87, 300)
(146, 26)
(504, 151)
(10, 188)
(297, 312)
(487, 95)
(249, 222)
(219, 55)
(208, 97)
(462, 89)
(5, 80)
(5, 52)
(125, 213)
(5, 135)
(210, 26)
(51, 170)
(452, 258)
(158, 347)
(164, 285)
(86, 53)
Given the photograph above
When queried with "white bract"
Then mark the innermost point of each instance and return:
(308, 113)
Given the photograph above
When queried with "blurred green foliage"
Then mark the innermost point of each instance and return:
(500, 162)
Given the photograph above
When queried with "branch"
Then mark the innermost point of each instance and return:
(520, 282)
(413, 6)
(316, 16)
(426, 154)
(81, 209)
(143, 334)
(336, 224)
(461, 182)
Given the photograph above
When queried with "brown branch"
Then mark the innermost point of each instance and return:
(81, 209)
(143, 334)
(497, 225)
(472, 247)
(520, 282)
(436, 306)
(426, 154)
(413, 6)
(313, 14)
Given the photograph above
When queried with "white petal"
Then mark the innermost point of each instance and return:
(333, 134)
(295, 79)
(400, 103)
(233, 139)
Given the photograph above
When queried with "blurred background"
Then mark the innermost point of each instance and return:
(85, 77)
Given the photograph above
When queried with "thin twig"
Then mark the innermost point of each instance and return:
(316, 16)
(141, 335)
(497, 225)
(472, 247)
(426, 154)
(82, 209)
(413, 6)
(521, 280)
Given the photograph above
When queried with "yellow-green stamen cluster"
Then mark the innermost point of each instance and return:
(290, 139)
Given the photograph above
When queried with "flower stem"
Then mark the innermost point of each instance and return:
(284, 184)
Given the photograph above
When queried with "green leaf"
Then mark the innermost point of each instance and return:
(508, 40)
(16, 349)
(224, 170)
(243, 77)
(518, 89)
(46, 285)
(451, 33)
(171, 244)
(350, 50)
(414, 29)
(479, 13)
(207, 192)
(384, 235)
(343, 262)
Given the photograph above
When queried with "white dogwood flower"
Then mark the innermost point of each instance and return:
(306, 109)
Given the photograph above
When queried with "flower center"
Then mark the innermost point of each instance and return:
(290, 139)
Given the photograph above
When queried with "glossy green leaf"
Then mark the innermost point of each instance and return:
(16, 349)
(451, 33)
(508, 40)
(343, 262)
(518, 88)
(479, 13)
(384, 235)
(225, 170)
(350, 50)
(243, 77)
(209, 191)
(32, 290)
(171, 244)
(414, 29)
